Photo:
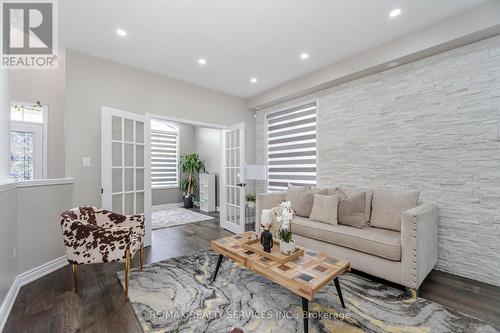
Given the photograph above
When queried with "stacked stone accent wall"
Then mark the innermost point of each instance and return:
(432, 125)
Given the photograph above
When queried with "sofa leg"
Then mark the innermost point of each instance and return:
(412, 292)
(127, 271)
(74, 269)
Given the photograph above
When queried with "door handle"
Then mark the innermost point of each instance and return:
(241, 184)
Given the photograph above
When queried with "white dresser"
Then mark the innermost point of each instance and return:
(207, 192)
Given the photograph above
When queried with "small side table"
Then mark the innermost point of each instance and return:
(249, 218)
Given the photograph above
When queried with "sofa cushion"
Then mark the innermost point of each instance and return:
(351, 211)
(379, 242)
(387, 208)
(344, 192)
(302, 198)
(325, 209)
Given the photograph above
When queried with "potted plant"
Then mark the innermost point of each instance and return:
(190, 165)
(287, 244)
(250, 198)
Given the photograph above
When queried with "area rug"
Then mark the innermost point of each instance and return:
(170, 217)
(178, 295)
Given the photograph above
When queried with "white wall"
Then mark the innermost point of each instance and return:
(92, 82)
(38, 223)
(30, 231)
(208, 145)
(432, 125)
(8, 239)
(4, 126)
(186, 146)
(48, 87)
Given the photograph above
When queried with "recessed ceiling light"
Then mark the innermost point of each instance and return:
(393, 64)
(202, 61)
(253, 80)
(395, 12)
(304, 56)
(121, 32)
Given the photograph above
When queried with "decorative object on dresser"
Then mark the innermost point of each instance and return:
(207, 192)
(92, 235)
(190, 165)
(401, 246)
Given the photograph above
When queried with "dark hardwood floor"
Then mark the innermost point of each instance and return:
(50, 305)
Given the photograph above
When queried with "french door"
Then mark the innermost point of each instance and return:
(122, 165)
(232, 215)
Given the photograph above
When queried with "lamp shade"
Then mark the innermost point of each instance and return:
(256, 172)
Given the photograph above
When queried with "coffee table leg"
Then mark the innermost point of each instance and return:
(219, 261)
(305, 314)
(337, 285)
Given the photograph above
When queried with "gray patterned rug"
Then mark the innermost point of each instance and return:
(177, 295)
(170, 217)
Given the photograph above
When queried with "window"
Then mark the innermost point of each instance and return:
(164, 154)
(27, 146)
(291, 147)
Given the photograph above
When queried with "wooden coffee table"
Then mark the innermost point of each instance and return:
(303, 276)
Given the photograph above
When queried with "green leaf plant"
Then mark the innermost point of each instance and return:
(190, 165)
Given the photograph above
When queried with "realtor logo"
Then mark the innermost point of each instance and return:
(29, 38)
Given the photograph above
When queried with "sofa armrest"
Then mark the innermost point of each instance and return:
(266, 201)
(419, 243)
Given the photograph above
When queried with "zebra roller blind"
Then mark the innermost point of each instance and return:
(164, 154)
(291, 147)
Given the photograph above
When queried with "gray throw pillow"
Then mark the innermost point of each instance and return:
(343, 193)
(325, 209)
(387, 208)
(351, 211)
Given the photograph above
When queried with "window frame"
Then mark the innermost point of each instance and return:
(177, 154)
(286, 107)
(44, 126)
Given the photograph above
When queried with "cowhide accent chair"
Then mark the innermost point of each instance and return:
(92, 235)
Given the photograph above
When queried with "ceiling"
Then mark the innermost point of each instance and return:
(241, 39)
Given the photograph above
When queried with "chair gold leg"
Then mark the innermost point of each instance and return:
(141, 256)
(127, 271)
(74, 268)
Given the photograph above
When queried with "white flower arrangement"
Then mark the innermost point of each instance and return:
(285, 218)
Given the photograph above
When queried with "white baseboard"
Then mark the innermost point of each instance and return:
(8, 302)
(23, 279)
(42, 270)
(166, 206)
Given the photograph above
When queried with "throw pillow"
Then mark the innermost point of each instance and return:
(302, 198)
(388, 206)
(351, 211)
(344, 193)
(325, 208)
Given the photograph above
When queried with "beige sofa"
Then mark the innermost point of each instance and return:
(404, 257)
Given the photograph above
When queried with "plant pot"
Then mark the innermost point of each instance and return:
(287, 248)
(187, 201)
(251, 204)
